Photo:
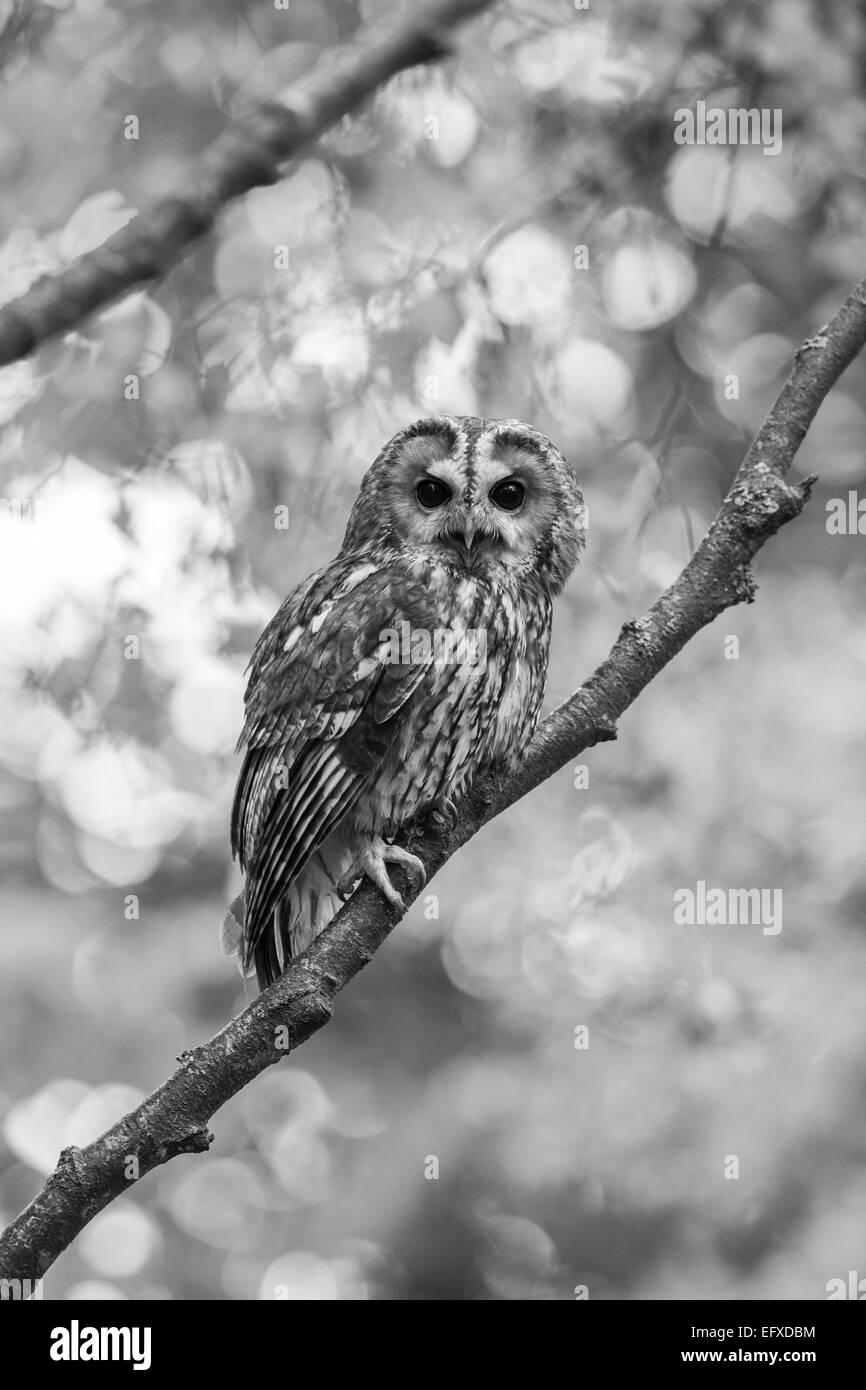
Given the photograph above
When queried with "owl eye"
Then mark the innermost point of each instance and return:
(508, 496)
(432, 492)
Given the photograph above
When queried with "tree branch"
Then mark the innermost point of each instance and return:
(175, 1117)
(249, 154)
(27, 24)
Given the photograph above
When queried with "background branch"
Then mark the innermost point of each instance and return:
(249, 154)
(174, 1119)
(27, 24)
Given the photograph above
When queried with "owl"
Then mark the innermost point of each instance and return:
(390, 678)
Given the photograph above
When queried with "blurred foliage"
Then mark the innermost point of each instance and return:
(431, 260)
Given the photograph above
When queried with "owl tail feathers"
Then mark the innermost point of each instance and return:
(265, 961)
(232, 927)
(301, 914)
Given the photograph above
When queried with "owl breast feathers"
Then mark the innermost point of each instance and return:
(389, 678)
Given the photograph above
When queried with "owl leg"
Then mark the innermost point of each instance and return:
(371, 857)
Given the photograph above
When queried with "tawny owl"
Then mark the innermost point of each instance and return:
(389, 678)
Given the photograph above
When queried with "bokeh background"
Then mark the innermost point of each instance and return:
(429, 254)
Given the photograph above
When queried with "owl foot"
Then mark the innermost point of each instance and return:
(371, 858)
(443, 816)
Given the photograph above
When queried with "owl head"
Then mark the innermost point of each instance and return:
(480, 495)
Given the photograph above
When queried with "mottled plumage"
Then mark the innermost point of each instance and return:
(387, 679)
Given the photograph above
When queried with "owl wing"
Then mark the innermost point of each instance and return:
(323, 694)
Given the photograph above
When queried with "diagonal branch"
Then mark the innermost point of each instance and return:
(27, 24)
(175, 1117)
(249, 154)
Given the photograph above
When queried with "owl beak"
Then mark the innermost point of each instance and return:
(468, 540)
(462, 540)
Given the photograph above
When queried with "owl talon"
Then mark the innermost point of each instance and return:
(443, 816)
(346, 887)
(394, 854)
(371, 860)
